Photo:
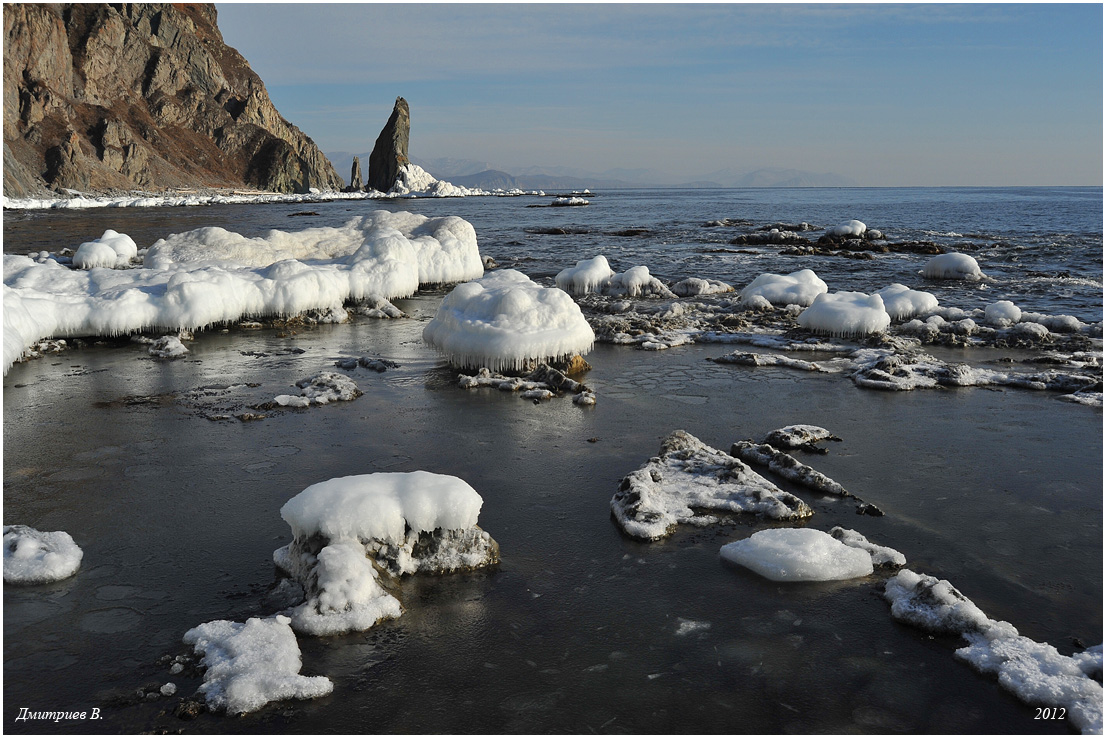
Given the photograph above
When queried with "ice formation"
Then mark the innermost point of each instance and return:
(902, 303)
(504, 322)
(323, 388)
(569, 201)
(850, 228)
(252, 664)
(349, 529)
(636, 281)
(746, 358)
(541, 383)
(110, 251)
(168, 347)
(688, 474)
(36, 557)
(846, 314)
(882, 556)
(798, 436)
(694, 286)
(589, 275)
(952, 266)
(797, 288)
(1035, 672)
(211, 275)
(798, 555)
(1002, 313)
(787, 466)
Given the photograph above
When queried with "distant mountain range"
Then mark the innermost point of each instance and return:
(483, 175)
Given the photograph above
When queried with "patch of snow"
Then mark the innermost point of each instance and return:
(110, 251)
(36, 557)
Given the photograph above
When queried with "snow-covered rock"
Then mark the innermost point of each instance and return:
(504, 321)
(848, 229)
(688, 474)
(36, 557)
(252, 664)
(1002, 313)
(321, 389)
(110, 251)
(846, 314)
(635, 282)
(798, 436)
(952, 266)
(797, 288)
(902, 303)
(168, 347)
(589, 275)
(798, 555)
(882, 556)
(694, 286)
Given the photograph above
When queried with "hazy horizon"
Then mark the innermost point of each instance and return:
(886, 95)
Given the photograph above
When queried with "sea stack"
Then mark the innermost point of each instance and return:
(355, 182)
(390, 151)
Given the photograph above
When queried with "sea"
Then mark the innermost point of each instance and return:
(579, 629)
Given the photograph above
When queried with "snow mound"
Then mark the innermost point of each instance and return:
(902, 303)
(688, 474)
(1002, 314)
(111, 251)
(635, 282)
(952, 266)
(589, 275)
(347, 595)
(797, 288)
(35, 557)
(798, 555)
(168, 347)
(852, 228)
(252, 664)
(846, 314)
(505, 321)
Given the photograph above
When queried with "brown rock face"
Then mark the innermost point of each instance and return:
(104, 97)
(390, 151)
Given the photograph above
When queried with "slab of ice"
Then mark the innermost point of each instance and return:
(505, 321)
(110, 251)
(882, 556)
(846, 314)
(797, 288)
(37, 557)
(798, 555)
(252, 664)
(589, 275)
(1035, 672)
(689, 475)
(901, 302)
(569, 201)
(952, 266)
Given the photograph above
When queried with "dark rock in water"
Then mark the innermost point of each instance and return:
(103, 97)
(355, 182)
(773, 236)
(390, 152)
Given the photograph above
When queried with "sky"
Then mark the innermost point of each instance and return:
(888, 95)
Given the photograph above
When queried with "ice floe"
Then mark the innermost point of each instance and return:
(952, 266)
(505, 322)
(845, 314)
(1035, 672)
(252, 664)
(689, 475)
(798, 555)
(797, 288)
(37, 557)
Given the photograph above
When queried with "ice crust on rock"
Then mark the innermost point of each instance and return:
(747, 358)
(846, 314)
(252, 664)
(349, 532)
(882, 556)
(37, 557)
(853, 228)
(797, 288)
(635, 282)
(1002, 314)
(952, 266)
(544, 381)
(798, 555)
(787, 466)
(694, 286)
(589, 275)
(798, 436)
(168, 347)
(321, 389)
(211, 275)
(1035, 672)
(110, 251)
(505, 321)
(902, 303)
(688, 474)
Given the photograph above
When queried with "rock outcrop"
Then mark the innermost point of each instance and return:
(102, 97)
(356, 184)
(390, 152)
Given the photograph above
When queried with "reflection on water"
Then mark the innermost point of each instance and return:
(579, 629)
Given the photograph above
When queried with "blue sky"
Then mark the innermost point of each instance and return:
(885, 94)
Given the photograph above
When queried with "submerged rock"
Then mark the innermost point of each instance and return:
(688, 476)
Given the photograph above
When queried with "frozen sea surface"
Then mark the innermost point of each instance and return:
(579, 628)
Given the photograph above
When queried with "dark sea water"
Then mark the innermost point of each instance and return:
(580, 629)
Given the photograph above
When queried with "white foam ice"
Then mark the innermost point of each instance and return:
(37, 557)
(845, 314)
(505, 321)
(589, 275)
(797, 288)
(798, 555)
(902, 303)
(252, 664)
(952, 266)
(111, 250)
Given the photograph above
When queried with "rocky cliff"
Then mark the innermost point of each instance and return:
(390, 152)
(104, 97)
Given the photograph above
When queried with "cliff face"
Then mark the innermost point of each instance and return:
(141, 96)
(390, 152)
